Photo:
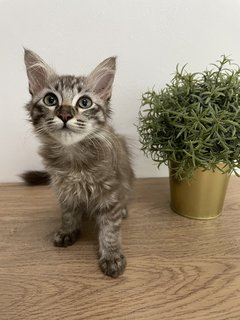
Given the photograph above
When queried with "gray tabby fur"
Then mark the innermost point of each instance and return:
(88, 162)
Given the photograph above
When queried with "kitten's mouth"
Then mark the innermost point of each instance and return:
(64, 127)
(66, 130)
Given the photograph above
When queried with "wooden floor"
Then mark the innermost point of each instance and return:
(177, 268)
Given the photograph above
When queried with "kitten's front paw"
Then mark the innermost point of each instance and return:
(64, 239)
(113, 264)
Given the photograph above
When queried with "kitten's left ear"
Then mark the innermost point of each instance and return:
(101, 78)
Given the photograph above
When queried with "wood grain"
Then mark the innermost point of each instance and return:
(177, 268)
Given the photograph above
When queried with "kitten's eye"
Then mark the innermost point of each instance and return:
(50, 100)
(84, 102)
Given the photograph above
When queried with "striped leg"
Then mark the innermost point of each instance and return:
(70, 229)
(111, 261)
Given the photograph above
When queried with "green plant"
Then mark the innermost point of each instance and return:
(195, 120)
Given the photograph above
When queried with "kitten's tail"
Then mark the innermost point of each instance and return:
(34, 178)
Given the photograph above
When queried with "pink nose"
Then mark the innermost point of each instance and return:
(64, 116)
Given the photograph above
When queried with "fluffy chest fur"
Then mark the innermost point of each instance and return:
(83, 188)
(89, 176)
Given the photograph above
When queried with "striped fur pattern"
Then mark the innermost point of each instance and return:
(87, 161)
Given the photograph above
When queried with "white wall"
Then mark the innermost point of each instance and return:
(149, 37)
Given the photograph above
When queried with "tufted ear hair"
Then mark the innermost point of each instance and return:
(38, 71)
(101, 78)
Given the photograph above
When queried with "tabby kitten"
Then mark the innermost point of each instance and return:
(86, 162)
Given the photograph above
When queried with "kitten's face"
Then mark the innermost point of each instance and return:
(68, 108)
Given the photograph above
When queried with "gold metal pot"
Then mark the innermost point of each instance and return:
(202, 197)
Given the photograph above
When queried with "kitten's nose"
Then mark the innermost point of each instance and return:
(64, 116)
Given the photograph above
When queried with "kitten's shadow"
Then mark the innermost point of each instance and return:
(89, 230)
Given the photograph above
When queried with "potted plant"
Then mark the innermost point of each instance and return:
(193, 126)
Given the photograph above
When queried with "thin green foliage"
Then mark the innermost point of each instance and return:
(195, 120)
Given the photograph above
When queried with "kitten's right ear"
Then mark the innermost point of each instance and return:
(38, 71)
